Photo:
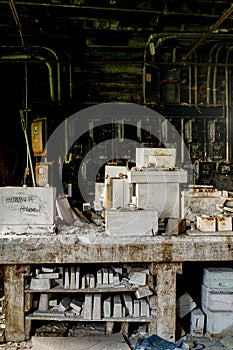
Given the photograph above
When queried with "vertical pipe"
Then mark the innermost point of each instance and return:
(27, 145)
(190, 84)
(58, 72)
(228, 122)
(195, 82)
(182, 139)
(209, 73)
(215, 76)
(70, 77)
(195, 79)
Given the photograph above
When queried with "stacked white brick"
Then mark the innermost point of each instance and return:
(217, 298)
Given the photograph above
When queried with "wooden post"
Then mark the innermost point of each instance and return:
(166, 300)
(14, 302)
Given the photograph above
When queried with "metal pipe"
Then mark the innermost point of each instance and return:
(47, 49)
(215, 76)
(70, 77)
(58, 70)
(19, 26)
(183, 139)
(27, 145)
(162, 37)
(195, 80)
(190, 84)
(209, 73)
(213, 28)
(51, 78)
(228, 122)
(109, 9)
(26, 99)
(24, 58)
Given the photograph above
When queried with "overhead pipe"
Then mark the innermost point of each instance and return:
(58, 69)
(159, 39)
(51, 78)
(213, 28)
(109, 9)
(24, 121)
(23, 58)
(19, 26)
(47, 49)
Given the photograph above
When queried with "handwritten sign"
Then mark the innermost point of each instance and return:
(29, 205)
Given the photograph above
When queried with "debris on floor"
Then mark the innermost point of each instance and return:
(227, 341)
(53, 329)
(154, 342)
(92, 329)
(99, 342)
(53, 343)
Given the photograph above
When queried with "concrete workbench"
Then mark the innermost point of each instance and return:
(164, 255)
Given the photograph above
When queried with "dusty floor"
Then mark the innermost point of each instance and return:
(197, 343)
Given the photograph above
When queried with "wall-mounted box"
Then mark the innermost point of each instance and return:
(43, 173)
(27, 209)
(39, 136)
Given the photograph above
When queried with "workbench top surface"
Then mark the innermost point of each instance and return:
(84, 248)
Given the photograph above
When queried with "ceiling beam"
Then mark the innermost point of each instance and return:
(113, 9)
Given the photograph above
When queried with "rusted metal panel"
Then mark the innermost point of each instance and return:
(14, 302)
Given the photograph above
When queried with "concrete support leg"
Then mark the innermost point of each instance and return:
(14, 302)
(166, 300)
(125, 328)
(109, 327)
(27, 328)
